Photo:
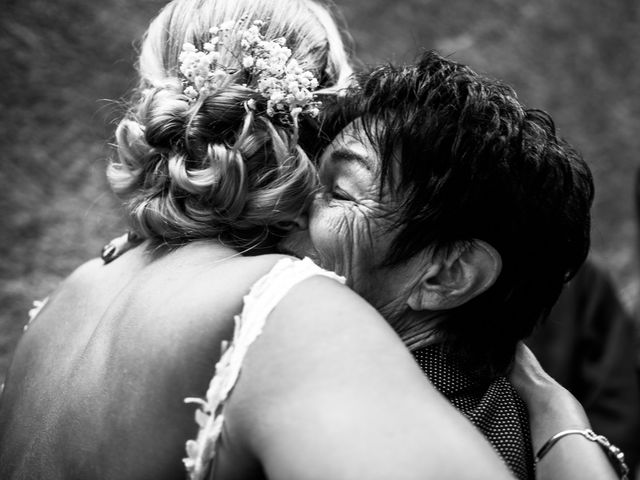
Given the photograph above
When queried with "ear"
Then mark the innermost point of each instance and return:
(452, 279)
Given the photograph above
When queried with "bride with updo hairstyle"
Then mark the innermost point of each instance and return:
(184, 357)
(213, 168)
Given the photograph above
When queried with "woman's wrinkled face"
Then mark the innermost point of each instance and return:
(349, 220)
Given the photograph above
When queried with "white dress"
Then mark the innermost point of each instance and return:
(263, 297)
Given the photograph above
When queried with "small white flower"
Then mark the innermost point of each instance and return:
(285, 85)
(191, 92)
(247, 62)
(277, 96)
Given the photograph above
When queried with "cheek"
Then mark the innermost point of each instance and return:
(332, 234)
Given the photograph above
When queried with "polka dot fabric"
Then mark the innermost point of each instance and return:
(491, 405)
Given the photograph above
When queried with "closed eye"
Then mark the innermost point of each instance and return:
(341, 195)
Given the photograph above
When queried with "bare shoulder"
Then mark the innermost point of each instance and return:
(322, 322)
(192, 292)
(331, 380)
(88, 268)
(197, 276)
(83, 274)
(325, 307)
(204, 275)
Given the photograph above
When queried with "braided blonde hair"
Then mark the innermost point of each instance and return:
(214, 168)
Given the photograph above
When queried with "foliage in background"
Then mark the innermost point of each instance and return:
(64, 63)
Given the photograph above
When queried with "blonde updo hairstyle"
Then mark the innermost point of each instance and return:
(215, 168)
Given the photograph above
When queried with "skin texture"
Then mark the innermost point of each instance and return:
(350, 226)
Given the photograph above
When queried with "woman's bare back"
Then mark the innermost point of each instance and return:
(97, 385)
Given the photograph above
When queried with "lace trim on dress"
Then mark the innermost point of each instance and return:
(38, 305)
(263, 297)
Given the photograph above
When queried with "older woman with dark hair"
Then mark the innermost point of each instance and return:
(459, 215)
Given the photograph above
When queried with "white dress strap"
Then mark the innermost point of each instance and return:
(263, 297)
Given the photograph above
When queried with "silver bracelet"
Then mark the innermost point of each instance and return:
(616, 457)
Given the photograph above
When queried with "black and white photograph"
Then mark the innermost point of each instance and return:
(320, 239)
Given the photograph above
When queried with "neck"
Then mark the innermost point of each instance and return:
(417, 329)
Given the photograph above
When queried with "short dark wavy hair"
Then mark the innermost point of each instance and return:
(472, 163)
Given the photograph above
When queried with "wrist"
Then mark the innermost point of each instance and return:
(554, 410)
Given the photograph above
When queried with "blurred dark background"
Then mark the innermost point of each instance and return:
(66, 64)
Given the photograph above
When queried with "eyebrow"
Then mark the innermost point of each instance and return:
(346, 155)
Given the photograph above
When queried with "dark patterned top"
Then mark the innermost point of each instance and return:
(491, 405)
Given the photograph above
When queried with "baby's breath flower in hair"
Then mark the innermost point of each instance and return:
(280, 81)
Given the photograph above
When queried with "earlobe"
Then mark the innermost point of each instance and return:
(454, 278)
